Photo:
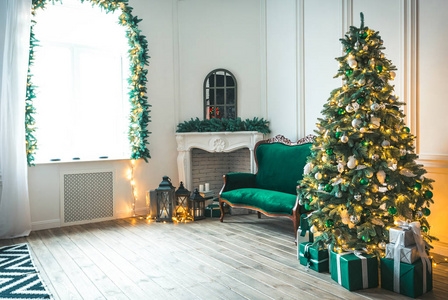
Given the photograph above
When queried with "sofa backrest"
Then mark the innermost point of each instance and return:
(280, 166)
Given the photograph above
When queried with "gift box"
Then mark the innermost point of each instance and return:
(354, 271)
(312, 257)
(414, 281)
(408, 255)
(213, 211)
(303, 233)
(408, 239)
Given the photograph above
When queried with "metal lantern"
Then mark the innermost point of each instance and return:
(182, 208)
(165, 200)
(197, 206)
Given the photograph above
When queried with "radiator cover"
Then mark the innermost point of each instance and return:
(87, 196)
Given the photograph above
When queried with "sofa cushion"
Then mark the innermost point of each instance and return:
(269, 201)
(280, 166)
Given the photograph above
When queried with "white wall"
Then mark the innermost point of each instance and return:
(218, 34)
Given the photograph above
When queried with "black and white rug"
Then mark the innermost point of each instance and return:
(19, 278)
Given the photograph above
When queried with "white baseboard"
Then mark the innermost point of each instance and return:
(47, 224)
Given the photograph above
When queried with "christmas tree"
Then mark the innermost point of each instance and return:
(362, 175)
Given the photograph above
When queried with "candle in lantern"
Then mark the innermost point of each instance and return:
(207, 186)
(201, 188)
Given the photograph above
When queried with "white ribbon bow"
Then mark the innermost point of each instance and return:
(415, 227)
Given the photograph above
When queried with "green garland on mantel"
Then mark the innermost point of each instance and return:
(138, 57)
(216, 125)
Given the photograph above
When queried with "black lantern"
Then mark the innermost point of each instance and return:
(197, 206)
(165, 200)
(182, 208)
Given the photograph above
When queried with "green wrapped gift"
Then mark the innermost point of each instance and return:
(313, 258)
(303, 232)
(213, 211)
(354, 270)
(411, 278)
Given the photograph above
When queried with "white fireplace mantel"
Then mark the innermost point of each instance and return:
(212, 142)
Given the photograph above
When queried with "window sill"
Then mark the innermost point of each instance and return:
(65, 161)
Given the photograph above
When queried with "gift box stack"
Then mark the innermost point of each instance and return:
(307, 254)
(354, 270)
(406, 269)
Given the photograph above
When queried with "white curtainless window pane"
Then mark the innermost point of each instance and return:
(81, 70)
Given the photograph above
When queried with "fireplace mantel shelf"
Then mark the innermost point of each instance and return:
(225, 141)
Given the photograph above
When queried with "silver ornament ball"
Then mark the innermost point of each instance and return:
(344, 139)
(355, 219)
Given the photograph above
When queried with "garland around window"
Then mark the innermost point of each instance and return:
(138, 56)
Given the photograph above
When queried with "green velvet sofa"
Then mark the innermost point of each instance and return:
(273, 190)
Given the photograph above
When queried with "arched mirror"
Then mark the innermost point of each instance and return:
(220, 95)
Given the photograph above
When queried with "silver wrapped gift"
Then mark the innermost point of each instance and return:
(408, 255)
(408, 239)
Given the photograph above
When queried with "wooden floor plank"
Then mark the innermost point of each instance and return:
(242, 258)
(91, 270)
(64, 289)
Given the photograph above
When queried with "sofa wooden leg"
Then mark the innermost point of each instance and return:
(221, 207)
(259, 215)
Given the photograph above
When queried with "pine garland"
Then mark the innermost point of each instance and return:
(138, 57)
(216, 125)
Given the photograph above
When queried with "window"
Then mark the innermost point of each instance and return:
(81, 71)
(220, 95)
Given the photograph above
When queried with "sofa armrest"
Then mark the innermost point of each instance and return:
(233, 181)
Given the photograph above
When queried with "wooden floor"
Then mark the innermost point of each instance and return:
(242, 258)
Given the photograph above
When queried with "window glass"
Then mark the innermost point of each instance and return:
(81, 70)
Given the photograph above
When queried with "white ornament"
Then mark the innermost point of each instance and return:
(382, 245)
(313, 229)
(340, 167)
(324, 158)
(402, 152)
(318, 176)
(361, 167)
(338, 194)
(355, 219)
(352, 162)
(344, 138)
(352, 63)
(349, 108)
(356, 123)
(355, 106)
(385, 143)
(407, 173)
(381, 176)
(368, 201)
(375, 156)
(357, 197)
(307, 168)
(375, 106)
(362, 82)
(382, 189)
(383, 206)
(362, 129)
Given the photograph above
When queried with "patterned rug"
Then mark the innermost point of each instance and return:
(19, 278)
